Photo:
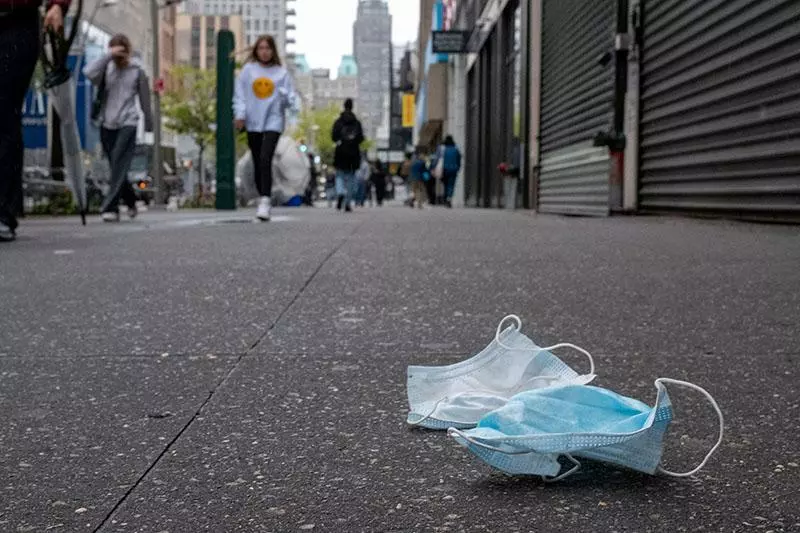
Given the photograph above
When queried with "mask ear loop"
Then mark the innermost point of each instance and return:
(518, 321)
(577, 465)
(500, 343)
(721, 427)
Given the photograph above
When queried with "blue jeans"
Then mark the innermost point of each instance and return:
(449, 183)
(345, 185)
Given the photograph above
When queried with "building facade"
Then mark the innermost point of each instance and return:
(196, 38)
(372, 47)
(260, 17)
(319, 91)
(625, 106)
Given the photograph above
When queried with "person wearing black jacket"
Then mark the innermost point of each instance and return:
(348, 135)
(19, 51)
(378, 179)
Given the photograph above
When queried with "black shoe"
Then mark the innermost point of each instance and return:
(339, 203)
(348, 209)
(6, 233)
(449, 204)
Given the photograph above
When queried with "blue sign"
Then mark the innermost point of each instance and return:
(34, 113)
(34, 119)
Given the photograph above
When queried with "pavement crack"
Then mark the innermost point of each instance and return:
(222, 381)
(169, 445)
(302, 289)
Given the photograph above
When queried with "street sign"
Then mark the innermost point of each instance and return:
(34, 119)
(409, 110)
(450, 42)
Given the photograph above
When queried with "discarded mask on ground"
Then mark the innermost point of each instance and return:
(459, 395)
(534, 429)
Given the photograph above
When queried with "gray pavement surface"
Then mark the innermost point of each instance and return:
(197, 372)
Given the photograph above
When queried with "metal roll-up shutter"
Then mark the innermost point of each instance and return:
(576, 104)
(720, 109)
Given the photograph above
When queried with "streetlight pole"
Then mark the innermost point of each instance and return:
(158, 174)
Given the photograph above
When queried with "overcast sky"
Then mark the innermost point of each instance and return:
(325, 28)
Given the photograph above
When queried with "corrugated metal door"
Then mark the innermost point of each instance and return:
(576, 103)
(720, 126)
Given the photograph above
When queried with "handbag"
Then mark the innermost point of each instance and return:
(99, 100)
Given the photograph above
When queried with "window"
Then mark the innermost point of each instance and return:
(210, 37)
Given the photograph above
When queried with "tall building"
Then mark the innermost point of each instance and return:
(372, 47)
(195, 38)
(319, 91)
(260, 17)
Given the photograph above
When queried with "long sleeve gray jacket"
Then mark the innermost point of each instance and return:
(123, 87)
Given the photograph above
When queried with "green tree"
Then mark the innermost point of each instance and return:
(191, 108)
(314, 126)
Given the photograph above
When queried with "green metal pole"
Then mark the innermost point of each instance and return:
(226, 142)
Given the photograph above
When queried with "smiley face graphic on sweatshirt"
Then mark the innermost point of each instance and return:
(263, 88)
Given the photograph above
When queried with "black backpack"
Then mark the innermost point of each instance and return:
(350, 133)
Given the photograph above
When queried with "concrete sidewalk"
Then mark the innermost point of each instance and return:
(196, 372)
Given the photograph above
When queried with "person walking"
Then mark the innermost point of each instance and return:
(378, 179)
(348, 135)
(449, 157)
(364, 187)
(405, 173)
(19, 51)
(330, 187)
(121, 80)
(264, 91)
(418, 177)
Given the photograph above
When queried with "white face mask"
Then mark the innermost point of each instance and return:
(459, 395)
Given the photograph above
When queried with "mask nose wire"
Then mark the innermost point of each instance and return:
(714, 404)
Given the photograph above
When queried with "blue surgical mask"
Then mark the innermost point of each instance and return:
(459, 395)
(536, 427)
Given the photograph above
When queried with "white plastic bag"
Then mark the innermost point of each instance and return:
(291, 171)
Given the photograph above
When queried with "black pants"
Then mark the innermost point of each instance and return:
(19, 49)
(119, 146)
(380, 188)
(430, 187)
(262, 146)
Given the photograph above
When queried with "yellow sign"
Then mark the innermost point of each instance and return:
(409, 110)
(263, 88)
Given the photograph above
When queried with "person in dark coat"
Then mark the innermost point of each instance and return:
(19, 51)
(348, 135)
(378, 179)
(451, 157)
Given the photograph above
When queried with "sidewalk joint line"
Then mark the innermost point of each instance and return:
(221, 382)
(305, 286)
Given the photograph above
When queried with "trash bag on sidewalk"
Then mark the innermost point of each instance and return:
(291, 172)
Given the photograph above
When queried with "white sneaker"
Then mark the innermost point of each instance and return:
(110, 217)
(264, 207)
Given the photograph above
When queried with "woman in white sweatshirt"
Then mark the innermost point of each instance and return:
(264, 90)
